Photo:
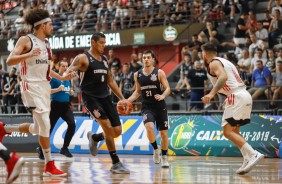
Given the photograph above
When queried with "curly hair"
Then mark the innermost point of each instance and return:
(36, 15)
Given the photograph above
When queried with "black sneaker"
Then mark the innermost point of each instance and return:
(40, 153)
(66, 152)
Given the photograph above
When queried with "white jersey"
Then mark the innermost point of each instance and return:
(233, 82)
(37, 68)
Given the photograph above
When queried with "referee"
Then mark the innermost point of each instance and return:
(60, 107)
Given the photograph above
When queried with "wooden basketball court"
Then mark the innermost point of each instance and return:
(86, 169)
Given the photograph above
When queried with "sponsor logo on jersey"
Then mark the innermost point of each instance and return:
(154, 77)
(41, 61)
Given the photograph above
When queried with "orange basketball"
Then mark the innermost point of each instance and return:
(124, 107)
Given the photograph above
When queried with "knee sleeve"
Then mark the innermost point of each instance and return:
(43, 122)
(33, 128)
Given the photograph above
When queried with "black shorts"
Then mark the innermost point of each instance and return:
(156, 112)
(102, 108)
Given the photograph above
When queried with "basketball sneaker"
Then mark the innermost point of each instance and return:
(93, 144)
(252, 162)
(157, 156)
(241, 169)
(118, 168)
(2, 131)
(51, 170)
(40, 153)
(164, 161)
(14, 166)
(66, 152)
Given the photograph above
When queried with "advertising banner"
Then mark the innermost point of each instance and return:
(188, 135)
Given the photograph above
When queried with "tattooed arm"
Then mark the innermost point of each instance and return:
(217, 69)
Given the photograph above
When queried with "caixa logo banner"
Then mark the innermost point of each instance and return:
(132, 141)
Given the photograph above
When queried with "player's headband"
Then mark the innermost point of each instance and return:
(42, 21)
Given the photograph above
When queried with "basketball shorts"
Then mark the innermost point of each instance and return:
(156, 112)
(101, 108)
(237, 108)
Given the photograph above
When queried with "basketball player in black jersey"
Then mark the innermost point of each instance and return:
(148, 82)
(95, 81)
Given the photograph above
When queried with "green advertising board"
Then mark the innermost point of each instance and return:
(203, 136)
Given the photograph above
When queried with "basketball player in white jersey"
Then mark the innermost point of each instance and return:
(33, 54)
(237, 106)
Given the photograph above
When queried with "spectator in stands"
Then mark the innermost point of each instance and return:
(270, 62)
(120, 16)
(163, 13)
(274, 28)
(260, 80)
(23, 7)
(209, 33)
(252, 22)
(230, 8)
(127, 81)
(279, 58)
(102, 16)
(276, 87)
(194, 47)
(33, 4)
(240, 30)
(185, 68)
(20, 24)
(243, 67)
(4, 25)
(277, 6)
(197, 84)
(52, 7)
(197, 10)
(245, 62)
(9, 80)
(152, 12)
(258, 56)
(256, 43)
(113, 59)
(134, 65)
(267, 19)
(262, 33)
(140, 11)
(131, 14)
(111, 8)
(88, 16)
(181, 10)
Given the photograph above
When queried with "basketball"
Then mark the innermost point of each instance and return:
(124, 107)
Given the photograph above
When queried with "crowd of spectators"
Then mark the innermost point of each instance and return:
(255, 48)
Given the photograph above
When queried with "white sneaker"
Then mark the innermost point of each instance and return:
(165, 163)
(241, 169)
(157, 156)
(252, 162)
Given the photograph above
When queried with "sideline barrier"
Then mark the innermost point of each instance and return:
(188, 135)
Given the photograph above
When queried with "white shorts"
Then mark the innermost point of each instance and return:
(36, 95)
(238, 105)
(239, 41)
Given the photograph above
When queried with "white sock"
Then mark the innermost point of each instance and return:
(12, 128)
(246, 148)
(2, 147)
(47, 155)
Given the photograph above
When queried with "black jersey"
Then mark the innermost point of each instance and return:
(94, 81)
(150, 86)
